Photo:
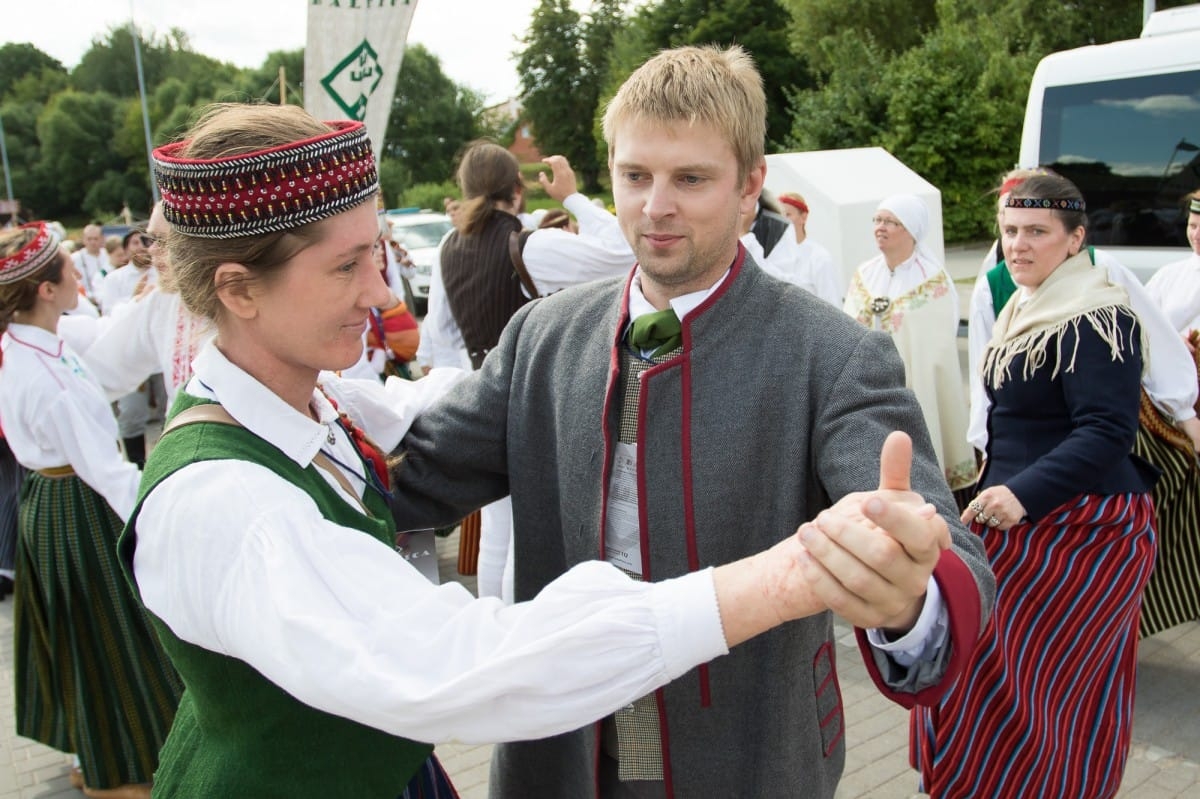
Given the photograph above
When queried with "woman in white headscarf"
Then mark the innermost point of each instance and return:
(905, 291)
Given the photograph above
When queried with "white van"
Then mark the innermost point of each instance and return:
(1122, 121)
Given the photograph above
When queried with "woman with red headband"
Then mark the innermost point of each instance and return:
(91, 677)
(318, 661)
(1045, 704)
(815, 258)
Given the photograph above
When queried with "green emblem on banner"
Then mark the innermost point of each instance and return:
(352, 82)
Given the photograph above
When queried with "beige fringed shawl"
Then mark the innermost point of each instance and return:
(1074, 292)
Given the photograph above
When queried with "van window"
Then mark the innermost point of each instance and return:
(1132, 146)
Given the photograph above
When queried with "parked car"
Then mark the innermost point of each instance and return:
(419, 232)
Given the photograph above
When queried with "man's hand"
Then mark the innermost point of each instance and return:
(561, 184)
(869, 558)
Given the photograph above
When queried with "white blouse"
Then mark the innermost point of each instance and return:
(240, 562)
(1175, 288)
(55, 414)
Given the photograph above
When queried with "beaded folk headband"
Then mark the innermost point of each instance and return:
(1056, 204)
(33, 257)
(270, 190)
(1194, 207)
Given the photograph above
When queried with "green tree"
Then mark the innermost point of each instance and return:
(76, 130)
(760, 26)
(110, 64)
(557, 101)
(885, 27)
(18, 61)
(431, 119)
(954, 115)
(24, 153)
(262, 84)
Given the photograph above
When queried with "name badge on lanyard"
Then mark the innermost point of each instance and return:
(622, 536)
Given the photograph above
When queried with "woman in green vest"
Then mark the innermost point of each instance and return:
(317, 661)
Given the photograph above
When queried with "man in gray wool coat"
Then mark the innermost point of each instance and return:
(668, 446)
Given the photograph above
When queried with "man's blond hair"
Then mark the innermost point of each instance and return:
(709, 85)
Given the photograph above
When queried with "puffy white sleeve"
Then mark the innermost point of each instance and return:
(557, 259)
(70, 427)
(1170, 377)
(239, 562)
(980, 322)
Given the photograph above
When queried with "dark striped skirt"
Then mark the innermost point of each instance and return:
(1173, 593)
(11, 477)
(91, 677)
(1045, 704)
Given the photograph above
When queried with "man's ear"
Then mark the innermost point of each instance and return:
(756, 178)
(233, 282)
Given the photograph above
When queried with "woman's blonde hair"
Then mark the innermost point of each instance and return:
(225, 130)
(719, 88)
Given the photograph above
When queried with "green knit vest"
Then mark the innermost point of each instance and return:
(236, 733)
(1001, 283)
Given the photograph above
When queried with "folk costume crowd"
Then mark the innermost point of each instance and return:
(656, 584)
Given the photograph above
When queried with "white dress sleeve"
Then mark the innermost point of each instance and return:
(557, 259)
(980, 323)
(1170, 377)
(70, 428)
(235, 560)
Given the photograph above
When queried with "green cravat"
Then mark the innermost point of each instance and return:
(659, 331)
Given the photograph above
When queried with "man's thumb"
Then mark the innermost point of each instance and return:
(895, 462)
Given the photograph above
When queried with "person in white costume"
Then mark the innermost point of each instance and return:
(555, 259)
(1175, 288)
(788, 259)
(92, 260)
(75, 617)
(817, 260)
(154, 333)
(257, 543)
(906, 292)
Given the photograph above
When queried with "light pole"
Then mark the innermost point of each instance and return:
(137, 55)
(4, 158)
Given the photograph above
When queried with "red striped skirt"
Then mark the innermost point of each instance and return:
(1045, 705)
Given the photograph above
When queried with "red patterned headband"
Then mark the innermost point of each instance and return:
(797, 204)
(33, 257)
(269, 190)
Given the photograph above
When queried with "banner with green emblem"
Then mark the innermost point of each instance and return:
(352, 59)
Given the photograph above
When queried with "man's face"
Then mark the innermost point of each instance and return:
(157, 229)
(137, 250)
(679, 202)
(92, 239)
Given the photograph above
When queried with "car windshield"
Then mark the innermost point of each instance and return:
(423, 234)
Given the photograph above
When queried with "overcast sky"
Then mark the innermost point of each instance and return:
(474, 39)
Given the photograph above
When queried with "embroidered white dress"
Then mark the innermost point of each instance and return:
(917, 304)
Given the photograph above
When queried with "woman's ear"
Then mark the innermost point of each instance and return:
(233, 282)
(47, 290)
(1075, 242)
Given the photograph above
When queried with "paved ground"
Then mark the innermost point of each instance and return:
(1164, 763)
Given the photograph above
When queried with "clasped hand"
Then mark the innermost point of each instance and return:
(869, 557)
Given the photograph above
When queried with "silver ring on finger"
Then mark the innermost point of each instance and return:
(993, 521)
(976, 506)
(980, 518)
